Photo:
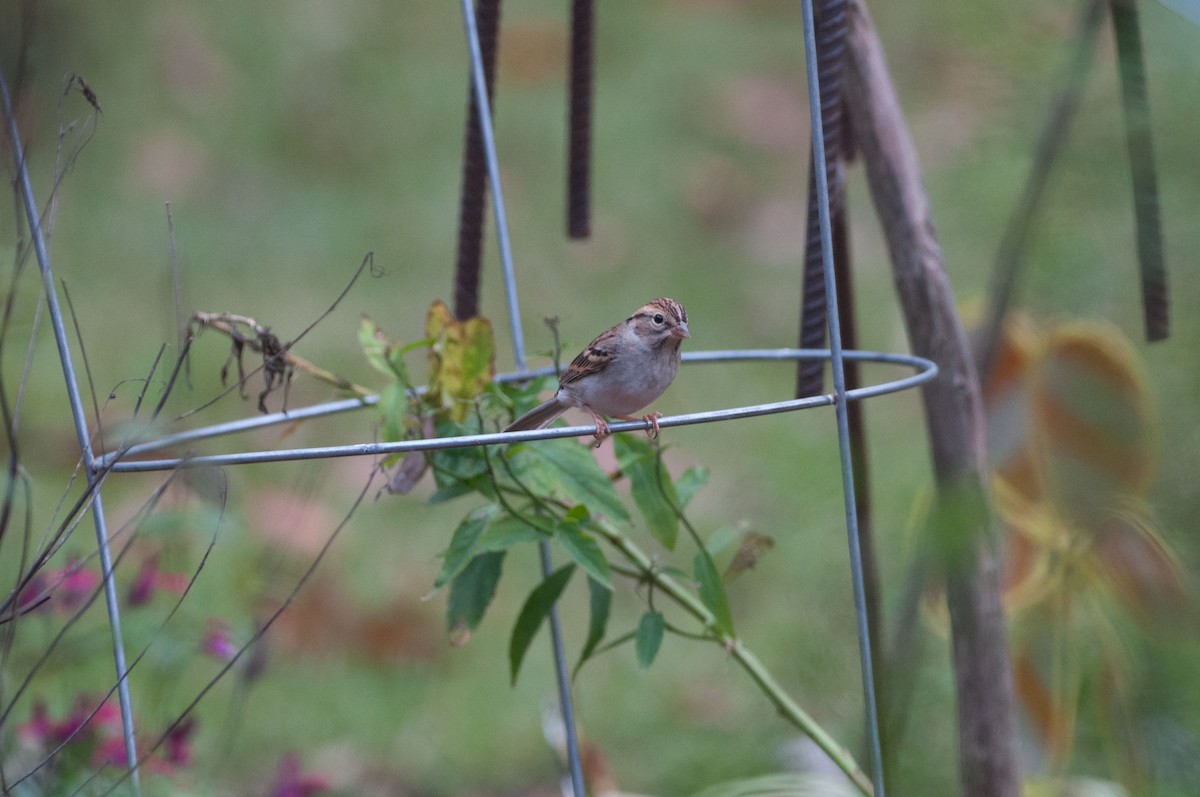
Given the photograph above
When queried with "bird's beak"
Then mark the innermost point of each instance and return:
(681, 331)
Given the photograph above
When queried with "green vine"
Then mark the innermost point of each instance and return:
(555, 491)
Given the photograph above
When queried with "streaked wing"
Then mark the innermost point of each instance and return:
(595, 357)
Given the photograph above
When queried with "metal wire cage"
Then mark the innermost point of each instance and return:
(100, 467)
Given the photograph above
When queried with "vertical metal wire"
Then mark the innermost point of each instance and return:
(518, 342)
(839, 389)
(479, 81)
(563, 678)
(81, 430)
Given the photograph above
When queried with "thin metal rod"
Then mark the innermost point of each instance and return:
(81, 429)
(839, 390)
(241, 425)
(563, 678)
(114, 621)
(276, 418)
(928, 372)
(479, 81)
(574, 764)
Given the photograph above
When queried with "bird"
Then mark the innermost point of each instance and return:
(620, 372)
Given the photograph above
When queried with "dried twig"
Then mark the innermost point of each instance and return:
(279, 363)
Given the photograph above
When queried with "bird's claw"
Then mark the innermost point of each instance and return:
(602, 430)
(652, 419)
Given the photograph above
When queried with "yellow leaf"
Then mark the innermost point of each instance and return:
(461, 359)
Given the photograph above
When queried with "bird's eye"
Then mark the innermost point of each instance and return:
(658, 318)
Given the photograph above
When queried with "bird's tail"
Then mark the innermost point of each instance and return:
(539, 417)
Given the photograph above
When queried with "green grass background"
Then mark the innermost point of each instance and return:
(292, 138)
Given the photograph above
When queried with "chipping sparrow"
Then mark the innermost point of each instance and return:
(621, 371)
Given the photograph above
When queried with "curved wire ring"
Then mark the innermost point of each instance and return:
(926, 370)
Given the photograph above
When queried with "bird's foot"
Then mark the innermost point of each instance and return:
(652, 419)
(602, 430)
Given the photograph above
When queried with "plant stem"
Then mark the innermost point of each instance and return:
(741, 654)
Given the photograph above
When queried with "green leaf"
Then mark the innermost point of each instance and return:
(630, 447)
(537, 607)
(720, 539)
(507, 531)
(649, 637)
(689, 482)
(532, 470)
(471, 593)
(521, 397)
(407, 347)
(383, 355)
(479, 353)
(462, 543)
(578, 514)
(653, 492)
(584, 551)
(452, 465)
(600, 603)
(450, 492)
(393, 407)
(374, 346)
(676, 572)
(712, 591)
(722, 546)
(579, 478)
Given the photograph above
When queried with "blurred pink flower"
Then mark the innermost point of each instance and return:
(289, 782)
(68, 587)
(216, 642)
(38, 731)
(177, 747)
(99, 734)
(79, 723)
(110, 752)
(75, 586)
(150, 579)
(174, 753)
(33, 592)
